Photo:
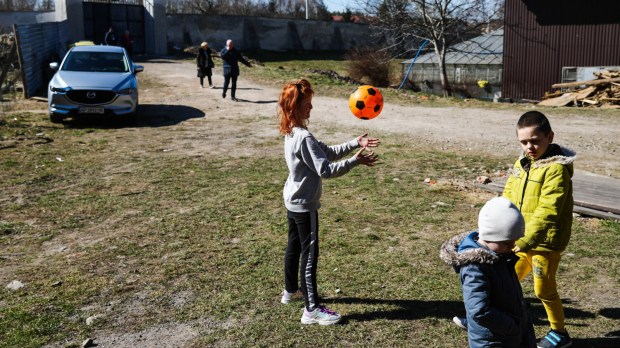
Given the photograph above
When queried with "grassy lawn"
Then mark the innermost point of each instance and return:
(135, 240)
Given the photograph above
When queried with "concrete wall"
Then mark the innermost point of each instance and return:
(155, 26)
(62, 8)
(41, 34)
(249, 33)
(272, 34)
(71, 11)
(7, 19)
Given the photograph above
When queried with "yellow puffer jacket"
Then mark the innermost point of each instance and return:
(543, 191)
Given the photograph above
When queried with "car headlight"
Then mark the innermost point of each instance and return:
(59, 89)
(126, 91)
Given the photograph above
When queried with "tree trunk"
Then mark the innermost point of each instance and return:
(443, 76)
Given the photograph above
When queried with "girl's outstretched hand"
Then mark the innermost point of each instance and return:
(364, 141)
(367, 159)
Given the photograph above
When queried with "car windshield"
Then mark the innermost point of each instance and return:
(96, 62)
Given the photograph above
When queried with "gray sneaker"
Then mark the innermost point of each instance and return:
(460, 322)
(320, 315)
(291, 296)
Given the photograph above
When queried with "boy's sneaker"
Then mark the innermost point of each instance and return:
(554, 339)
(320, 315)
(291, 296)
(460, 322)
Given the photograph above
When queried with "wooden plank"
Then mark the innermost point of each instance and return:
(585, 83)
(596, 213)
(588, 101)
(597, 190)
(492, 186)
(585, 93)
(563, 100)
(594, 195)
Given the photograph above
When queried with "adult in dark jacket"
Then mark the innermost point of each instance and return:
(127, 42)
(496, 312)
(110, 37)
(231, 58)
(204, 64)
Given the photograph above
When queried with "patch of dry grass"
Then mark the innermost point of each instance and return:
(137, 240)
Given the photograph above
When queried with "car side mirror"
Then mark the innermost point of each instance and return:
(138, 68)
(54, 66)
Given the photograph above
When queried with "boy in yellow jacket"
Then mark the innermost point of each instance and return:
(540, 186)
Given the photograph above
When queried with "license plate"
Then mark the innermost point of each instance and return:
(91, 110)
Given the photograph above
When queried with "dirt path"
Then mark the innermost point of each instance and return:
(595, 138)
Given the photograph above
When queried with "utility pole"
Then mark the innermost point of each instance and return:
(306, 9)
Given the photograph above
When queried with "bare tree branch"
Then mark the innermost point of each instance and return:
(405, 24)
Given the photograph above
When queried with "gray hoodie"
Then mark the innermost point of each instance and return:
(309, 160)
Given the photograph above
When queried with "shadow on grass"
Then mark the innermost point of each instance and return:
(158, 115)
(539, 315)
(416, 309)
(256, 101)
(409, 309)
(599, 342)
(148, 116)
(247, 100)
(611, 313)
(611, 339)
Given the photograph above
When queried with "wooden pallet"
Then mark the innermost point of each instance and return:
(594, 195)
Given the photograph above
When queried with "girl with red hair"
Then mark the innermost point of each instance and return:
(309, 161)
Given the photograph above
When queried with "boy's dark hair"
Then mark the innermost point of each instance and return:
(535, 119)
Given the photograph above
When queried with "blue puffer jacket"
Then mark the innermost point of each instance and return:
(496, 312)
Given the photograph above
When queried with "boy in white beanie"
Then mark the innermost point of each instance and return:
(496, 312)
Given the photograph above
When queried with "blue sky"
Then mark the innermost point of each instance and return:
(339, 5)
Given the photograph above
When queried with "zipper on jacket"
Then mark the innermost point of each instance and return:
(525, 164)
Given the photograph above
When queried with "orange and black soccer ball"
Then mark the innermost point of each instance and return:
(366, 102)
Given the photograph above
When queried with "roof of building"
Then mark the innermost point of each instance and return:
(486, 49)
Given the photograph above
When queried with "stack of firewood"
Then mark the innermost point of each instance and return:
(604, 92)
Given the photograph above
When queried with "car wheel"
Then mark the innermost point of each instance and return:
(55, 118)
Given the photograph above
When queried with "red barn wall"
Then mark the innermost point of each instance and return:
(541, 37)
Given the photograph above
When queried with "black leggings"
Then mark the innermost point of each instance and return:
(202, 81)
(303, 241)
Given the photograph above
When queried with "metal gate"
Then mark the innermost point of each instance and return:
(122, 15)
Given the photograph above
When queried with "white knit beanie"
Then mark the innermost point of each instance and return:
(500, 220)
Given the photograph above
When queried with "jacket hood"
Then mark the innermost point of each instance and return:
(463, 249)
(555, 154)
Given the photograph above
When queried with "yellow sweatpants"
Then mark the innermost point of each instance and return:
(544, 266)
